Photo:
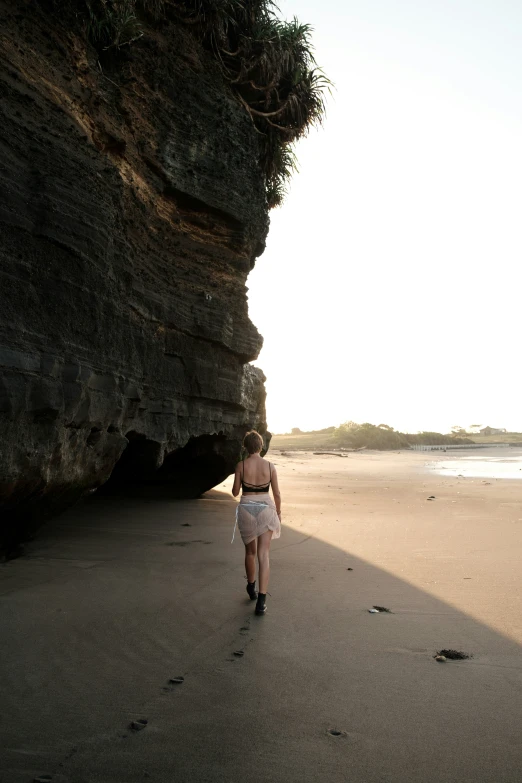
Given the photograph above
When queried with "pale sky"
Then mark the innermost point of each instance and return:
(389, 291)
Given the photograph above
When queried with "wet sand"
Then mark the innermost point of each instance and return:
(119, 595)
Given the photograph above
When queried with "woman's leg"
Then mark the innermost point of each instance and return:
(263, 556)
(250, 560)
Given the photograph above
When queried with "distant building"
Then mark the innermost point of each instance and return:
(492, 431)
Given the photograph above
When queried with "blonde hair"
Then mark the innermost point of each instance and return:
(253, 442)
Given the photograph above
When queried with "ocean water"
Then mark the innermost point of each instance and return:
(499, 463)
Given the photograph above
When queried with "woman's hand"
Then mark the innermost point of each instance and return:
(237, 481)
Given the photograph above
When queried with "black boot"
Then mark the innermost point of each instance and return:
(261, 603)
(251, 590)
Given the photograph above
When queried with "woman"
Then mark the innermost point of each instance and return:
(257, 516)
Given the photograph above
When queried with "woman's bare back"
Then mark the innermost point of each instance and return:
(255, 470)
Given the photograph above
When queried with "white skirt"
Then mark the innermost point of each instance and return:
(256, 514)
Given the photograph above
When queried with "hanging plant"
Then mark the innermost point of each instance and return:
(268, 62)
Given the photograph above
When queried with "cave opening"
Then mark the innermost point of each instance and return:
(202, 463)
(138, 462)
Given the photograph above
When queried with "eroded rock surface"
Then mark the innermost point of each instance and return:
(132, 209)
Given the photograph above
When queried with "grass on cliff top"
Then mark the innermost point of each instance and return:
(306, 441)
(268, 62)
(504, 437)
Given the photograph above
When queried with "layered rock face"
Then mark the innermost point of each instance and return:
(132, 209)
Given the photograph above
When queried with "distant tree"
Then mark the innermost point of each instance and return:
(296, 430)
(457, 430)
(383, 437)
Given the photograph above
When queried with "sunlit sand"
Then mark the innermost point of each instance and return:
(375, 505)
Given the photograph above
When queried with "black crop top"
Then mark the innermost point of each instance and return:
(256, 487)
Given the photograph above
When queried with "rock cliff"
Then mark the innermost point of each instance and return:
(132, 208)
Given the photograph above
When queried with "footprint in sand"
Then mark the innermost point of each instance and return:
(139, 725)
(174, 682)
(336, 733)
(239, 653)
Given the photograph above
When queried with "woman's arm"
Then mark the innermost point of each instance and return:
(276, 492)
(237, 481)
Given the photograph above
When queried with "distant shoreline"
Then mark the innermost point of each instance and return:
(498, 464)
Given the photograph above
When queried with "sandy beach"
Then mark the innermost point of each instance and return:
(120, 595)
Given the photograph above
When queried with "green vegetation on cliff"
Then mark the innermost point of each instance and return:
(268, 62)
